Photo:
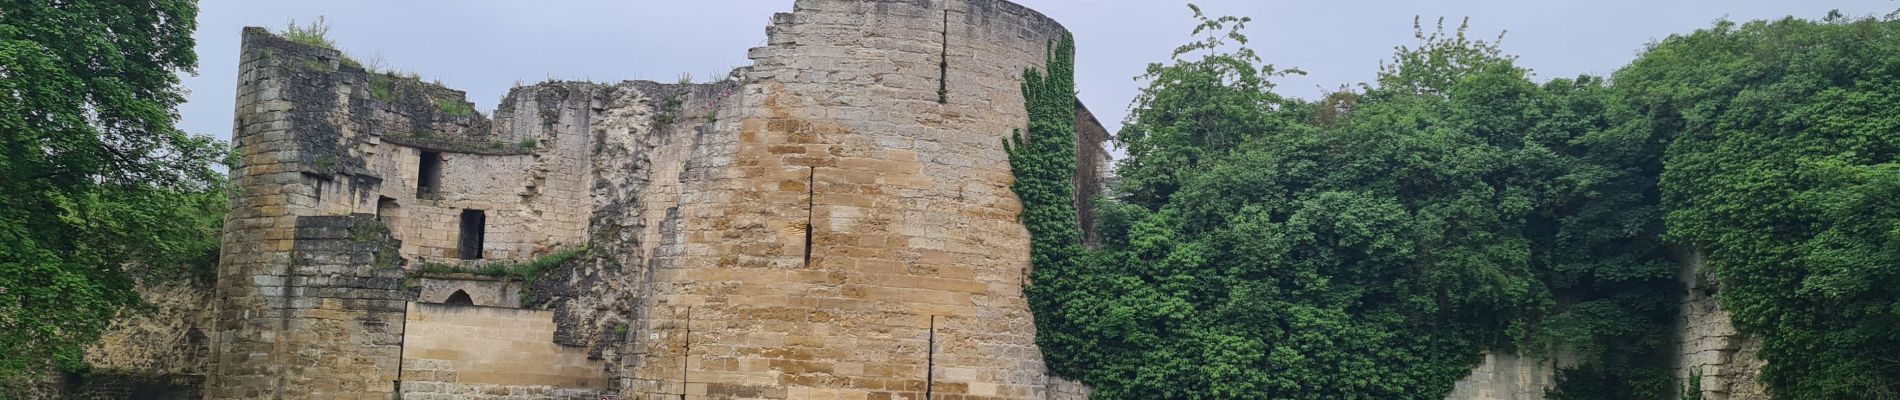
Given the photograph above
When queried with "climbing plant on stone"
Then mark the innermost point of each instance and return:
(1371, 248)
(1780, 166)
(1043, 160)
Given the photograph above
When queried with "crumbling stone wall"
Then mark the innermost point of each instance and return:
(168, 338)
(481, 290)
(1707, 347)
(1708, 344)
(1508, 377)
(157, 351)
(1093, 166)
(643, 134)
(836, 218)
(321, 138)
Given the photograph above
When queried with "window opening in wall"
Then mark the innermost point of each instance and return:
(459, 297)
(385, 207)
(474, 228)
(428, 174)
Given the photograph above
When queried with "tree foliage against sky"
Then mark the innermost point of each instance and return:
(1368, 245)
(94, 177)
(1779, 144)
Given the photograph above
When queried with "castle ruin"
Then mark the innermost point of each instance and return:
(833, 221)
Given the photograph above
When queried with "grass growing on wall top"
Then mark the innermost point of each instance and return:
(527, 271)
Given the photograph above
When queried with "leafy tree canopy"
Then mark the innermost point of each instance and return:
(93, 175)
(1366, 246)
(1780, 141)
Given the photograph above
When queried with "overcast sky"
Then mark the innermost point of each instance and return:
(484, 47)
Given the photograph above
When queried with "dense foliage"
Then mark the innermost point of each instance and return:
(1372, 243)
(1780, 166)
(94, 178)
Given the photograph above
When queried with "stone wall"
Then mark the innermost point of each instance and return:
(1707, 347)
(328, 147)
(356, 139)
(644, 134)
(330, 325)
(832, 221)
(481, 290)
(852, 197)
(155, 352)
(475, 352)
(1093, 166)
(170, 338)
(1507, 377)
(1708, 344)
(823, 216)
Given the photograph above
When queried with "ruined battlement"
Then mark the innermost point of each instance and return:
(834, 220)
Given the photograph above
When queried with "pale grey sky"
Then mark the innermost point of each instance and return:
(485, 46)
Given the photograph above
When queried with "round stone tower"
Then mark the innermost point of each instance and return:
(846, 227)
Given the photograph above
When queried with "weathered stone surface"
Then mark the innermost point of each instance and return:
(481, 290)
(1508, 377)
(821, 215)
(837, 211)
(158, 351)
(492, 352)
(804, 228)
(1708, 344)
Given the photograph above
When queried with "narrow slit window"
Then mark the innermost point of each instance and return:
(943, 62)
(428, 174)
(474, 228)
(811, 192)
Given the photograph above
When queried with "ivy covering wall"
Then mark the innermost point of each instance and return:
(1373, 243)
(1780, 144)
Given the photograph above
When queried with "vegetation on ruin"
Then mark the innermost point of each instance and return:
(1370, 244)
(316, 33)
(527, 271)
(1778, 142)
(97, 187)
(453, 108)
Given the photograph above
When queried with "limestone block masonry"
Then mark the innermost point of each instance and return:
(850, 232)
(1707, 345)
(831, 222)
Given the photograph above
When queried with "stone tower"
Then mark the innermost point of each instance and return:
(853, 195)
(834, 221)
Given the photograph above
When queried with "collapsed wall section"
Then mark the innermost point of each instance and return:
(398, 166)
(833, 221)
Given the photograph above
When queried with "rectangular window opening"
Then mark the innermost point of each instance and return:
(474, 228)
(428, 174)
(385, 207)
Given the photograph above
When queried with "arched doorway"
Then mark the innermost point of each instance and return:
(459, 297)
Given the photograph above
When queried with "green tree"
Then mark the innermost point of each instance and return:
(1212, 97)
(1369, 245)
(93, 176)
(1780, 166)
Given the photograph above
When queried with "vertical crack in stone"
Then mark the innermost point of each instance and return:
(811, 190)
(686, 350)
(943, 62)
(930, 359)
